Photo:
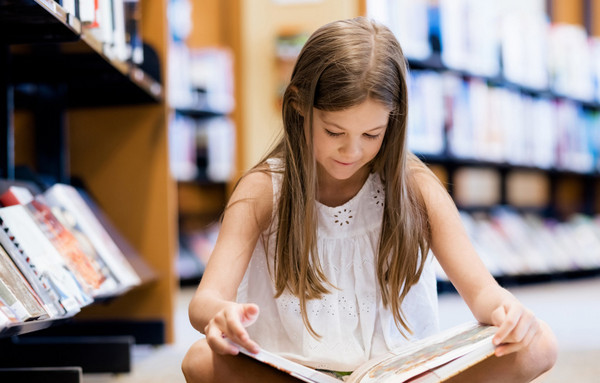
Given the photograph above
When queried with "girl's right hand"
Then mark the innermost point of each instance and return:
(230, 324)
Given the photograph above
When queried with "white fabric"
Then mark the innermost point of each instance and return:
(353, 324)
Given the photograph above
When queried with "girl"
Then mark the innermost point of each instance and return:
(329, 235)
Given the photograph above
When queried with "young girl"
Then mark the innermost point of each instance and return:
(329, 236)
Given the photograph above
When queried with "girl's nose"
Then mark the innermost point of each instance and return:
(351, 148)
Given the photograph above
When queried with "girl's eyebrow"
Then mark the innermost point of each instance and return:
(341, 128)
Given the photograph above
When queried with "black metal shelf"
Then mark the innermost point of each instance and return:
(435, 63)
(199, 112)
(449, 160)
(90, 79)
(31, 326)
(50, 62)
(50, 46)
(35, 21)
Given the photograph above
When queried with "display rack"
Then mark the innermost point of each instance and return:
(589, 180)
(56, 71)
(451, 162)
(568, 197)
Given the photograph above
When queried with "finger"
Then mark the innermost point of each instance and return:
(498, 316)
(508, 324)
(523, 327)
(236, 331)
(217, 342)
(249, 314)
(533, 331)
(507, 348)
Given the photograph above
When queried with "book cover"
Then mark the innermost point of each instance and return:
(433, 359)
(67, 198)
(81, 259)
(85, 265)
(44, 256)
(20, 287)
(13, 303)
(133, 37)
(37, 279)
(7, 316)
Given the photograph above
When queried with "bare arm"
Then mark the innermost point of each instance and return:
(213, 310)
(488, 302)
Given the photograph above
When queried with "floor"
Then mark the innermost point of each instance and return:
(571, 308)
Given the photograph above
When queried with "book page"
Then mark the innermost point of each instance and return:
(421, 356)
(305, 374)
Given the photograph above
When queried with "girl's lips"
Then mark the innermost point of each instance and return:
(344, 163)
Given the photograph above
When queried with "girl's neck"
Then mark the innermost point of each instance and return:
(334, 192)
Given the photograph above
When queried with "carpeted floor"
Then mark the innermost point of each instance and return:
(571, 308)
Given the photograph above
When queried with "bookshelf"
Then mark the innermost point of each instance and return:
(71, 112)
(509, 177)
(202, 135)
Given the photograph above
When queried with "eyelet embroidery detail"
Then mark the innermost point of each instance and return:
(378, 197)
(343, 217)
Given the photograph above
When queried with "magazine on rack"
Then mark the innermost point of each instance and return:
(433, 359)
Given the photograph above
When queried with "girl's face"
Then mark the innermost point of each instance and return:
(346, 140)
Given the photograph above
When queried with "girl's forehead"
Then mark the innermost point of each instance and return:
(369, 111)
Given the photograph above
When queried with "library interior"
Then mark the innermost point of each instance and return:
(127, 123)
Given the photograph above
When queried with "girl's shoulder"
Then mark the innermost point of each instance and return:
(254, 191)
(256, 182)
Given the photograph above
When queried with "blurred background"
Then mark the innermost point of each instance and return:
(504, 107)
(158, 116)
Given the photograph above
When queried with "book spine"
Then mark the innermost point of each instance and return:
(38, 280)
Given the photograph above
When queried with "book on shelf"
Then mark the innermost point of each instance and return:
(38, 281)
(81, 258)
(11, 301)
(512, 243)
(133, 37)
(7, 316)
(19, 287)
(65, 200)
(408, 20)
(34, 251)
(432, 359)
(113, 23)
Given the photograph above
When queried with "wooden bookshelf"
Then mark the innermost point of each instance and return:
(113, 129)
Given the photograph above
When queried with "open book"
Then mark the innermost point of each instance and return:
(433, 359)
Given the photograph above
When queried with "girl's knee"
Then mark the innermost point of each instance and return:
(547, 347)
(196, 362)
(541, 354)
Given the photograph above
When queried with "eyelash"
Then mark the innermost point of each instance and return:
(368, 136)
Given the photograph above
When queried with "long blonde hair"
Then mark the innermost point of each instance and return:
(341, 65)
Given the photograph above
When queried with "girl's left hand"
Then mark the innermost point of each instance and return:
(517, 326)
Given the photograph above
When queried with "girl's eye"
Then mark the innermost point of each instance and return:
(371, 136)
(332, 134)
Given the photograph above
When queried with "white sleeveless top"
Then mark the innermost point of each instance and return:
(353, 323)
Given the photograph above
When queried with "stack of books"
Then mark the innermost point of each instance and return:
(56, 256)
(524, 244)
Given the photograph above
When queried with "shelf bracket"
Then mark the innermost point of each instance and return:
(51, 132)
(41, 374)
(64, 351)
(7, 139)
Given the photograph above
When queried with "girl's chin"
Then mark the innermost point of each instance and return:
(342, 174)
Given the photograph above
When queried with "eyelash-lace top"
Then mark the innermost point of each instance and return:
(351, 320)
